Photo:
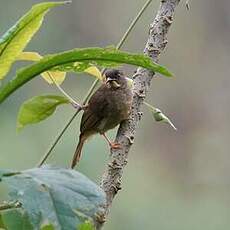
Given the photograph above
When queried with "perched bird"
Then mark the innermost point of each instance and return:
(107, 108)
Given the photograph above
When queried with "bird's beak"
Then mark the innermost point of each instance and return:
(111, 82)
(108, 80)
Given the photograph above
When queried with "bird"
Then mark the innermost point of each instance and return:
(108, 107)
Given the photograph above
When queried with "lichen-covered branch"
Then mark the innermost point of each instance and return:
(111, 181)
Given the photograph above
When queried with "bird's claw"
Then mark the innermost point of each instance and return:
(115, 145)
(78, 106)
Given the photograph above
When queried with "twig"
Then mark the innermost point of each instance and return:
(111, 181)
(89, 93)
(134, 22)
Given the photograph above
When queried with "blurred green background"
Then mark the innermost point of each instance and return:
(174, 180)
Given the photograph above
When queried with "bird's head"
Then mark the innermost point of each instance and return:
(116, 79)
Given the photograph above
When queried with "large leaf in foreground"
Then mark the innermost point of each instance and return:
(16, 38)
(38, 108)
(63, 198)
(94, 55)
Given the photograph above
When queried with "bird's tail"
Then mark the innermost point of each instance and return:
(77, 154)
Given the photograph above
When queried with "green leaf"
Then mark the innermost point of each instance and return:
(79, 59)
(2, 226)
(13, 219)
(55, 196)
(59, 76)
(79, 67)
(38, 108)
(79, 55)
(16, 38)
(48, 227)
(86, 226)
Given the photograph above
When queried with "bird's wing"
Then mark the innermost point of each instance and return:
(95, 112)
(89, 121)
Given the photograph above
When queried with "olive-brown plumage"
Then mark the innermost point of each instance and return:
(107, 108)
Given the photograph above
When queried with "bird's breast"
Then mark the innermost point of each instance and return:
(119, 107)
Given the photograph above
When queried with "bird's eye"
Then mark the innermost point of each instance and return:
(118, 76)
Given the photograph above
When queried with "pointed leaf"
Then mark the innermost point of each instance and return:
(38, 108)
(16, 38)
(79, 55)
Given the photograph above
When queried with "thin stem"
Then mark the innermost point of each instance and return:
(150, 106)
(63, 92)
(133, 23)
(89, 93)
(56, 140)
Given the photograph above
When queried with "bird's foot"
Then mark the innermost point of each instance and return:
(78, 106)
(115, 145)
